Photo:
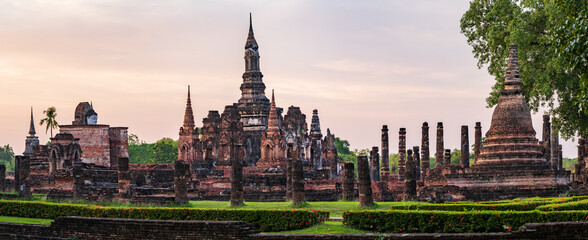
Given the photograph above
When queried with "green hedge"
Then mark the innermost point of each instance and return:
(398, 221)
(578, 205)
(526, 204)
(263, 219)
(471, 207)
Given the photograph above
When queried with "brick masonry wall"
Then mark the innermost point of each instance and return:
(94, 141)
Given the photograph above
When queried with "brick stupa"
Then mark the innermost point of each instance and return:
(511, 162)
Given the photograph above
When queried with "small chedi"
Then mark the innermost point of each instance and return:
(252, 151)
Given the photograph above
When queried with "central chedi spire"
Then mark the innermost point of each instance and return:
(253, 106)
(511, 140)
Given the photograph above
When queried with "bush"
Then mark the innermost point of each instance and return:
(263, 219)
(578, 205)
(399, 221)
(526, 204)
(470, 207)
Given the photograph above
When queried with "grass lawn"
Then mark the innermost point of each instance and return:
(327, 227)
(336, 208)
(26, 220)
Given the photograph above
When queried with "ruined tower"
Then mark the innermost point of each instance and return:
(253, 105)
(189, 136)
(32, 140)
(315, 141)
(273, 141)
(210, 137)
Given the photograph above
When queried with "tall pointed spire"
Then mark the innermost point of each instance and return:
(513, 78)
(32, 127)
(273, 124)
(188, 115)
(251, 43)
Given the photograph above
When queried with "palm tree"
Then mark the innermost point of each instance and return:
(50, 120)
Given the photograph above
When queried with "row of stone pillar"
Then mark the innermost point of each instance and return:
(422, 159)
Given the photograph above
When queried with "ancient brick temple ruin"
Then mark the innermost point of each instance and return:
(241, 154)
(252, 152)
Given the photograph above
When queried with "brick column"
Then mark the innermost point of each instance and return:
(547, 138)
(385, 171)
(16, 174)
(579, 164)
(24, 167)
(401, 152)
(375, 164)
(289, 166)
(439, 148)
(465, 146)
(554, 145)
(124, 179)
(298, 196)
(447, 157)
(181, 170)
(416, 157)
(478, 140)
(78, 181)
(2, 178)
(236, 177)
(424, 150)
(560, 157)
(410, 178)
(349, 182)
(365, 183)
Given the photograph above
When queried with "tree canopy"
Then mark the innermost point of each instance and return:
(164, 150)
(551, 39)
(7, 157)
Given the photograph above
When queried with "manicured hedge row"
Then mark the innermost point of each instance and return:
(470, 207)
(503, 205)
(579, 205)
(263, 219)
(399, 221)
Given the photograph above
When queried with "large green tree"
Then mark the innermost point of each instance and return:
(551, 39)
(165, 150)
(7, 157)
(49, 120)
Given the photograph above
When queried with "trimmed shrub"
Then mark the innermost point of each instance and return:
(470, 207)
(578, 205)
(398, 221)
(263, 219)
(526, 204)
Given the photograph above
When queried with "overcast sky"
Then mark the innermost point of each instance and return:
(360, 63)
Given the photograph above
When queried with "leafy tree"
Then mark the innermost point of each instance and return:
(49, 120)
(165, 150)
(7, 157)
(342, 146)
(570, 164)
(552, 47)
(140, 152)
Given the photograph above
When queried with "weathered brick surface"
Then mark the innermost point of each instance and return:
(349, 182)
(365, 182)
(94, 141)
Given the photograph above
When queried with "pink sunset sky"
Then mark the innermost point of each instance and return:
(362, 64)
